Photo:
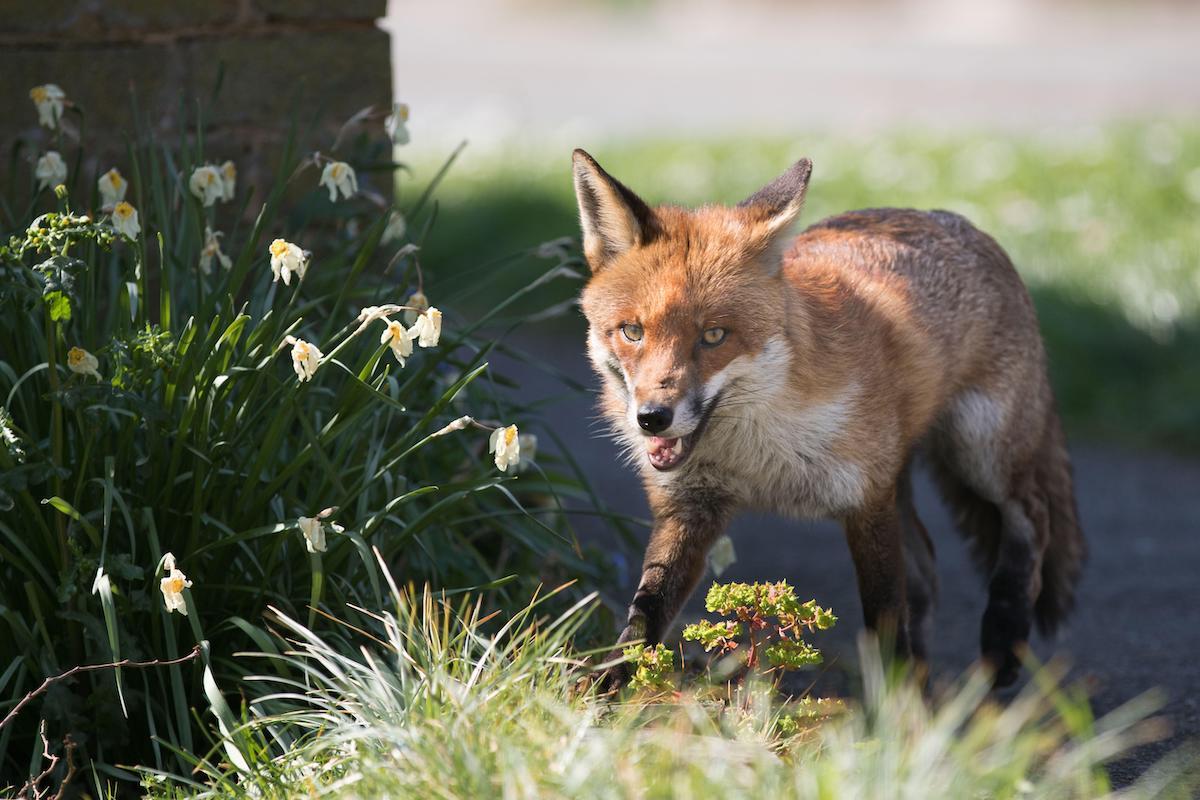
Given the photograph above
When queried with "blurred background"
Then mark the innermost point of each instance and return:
(1069, 131)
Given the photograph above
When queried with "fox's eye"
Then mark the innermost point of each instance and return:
(713, 337)
(632, 331)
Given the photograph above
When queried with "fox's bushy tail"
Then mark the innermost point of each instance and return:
(1066, 549)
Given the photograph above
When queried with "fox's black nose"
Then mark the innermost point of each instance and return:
(655, 419)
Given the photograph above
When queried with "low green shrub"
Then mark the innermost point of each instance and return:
(197, 418)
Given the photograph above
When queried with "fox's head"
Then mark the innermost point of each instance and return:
(683, 304)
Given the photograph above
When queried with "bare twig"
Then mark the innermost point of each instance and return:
(53, 679)
(32, 787)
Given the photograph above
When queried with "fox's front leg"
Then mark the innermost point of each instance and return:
(875, 536)
(684, 530)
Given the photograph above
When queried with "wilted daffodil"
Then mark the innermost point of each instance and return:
(172, 584)
(338, 176)
(51, 170)
(228, 180)
(398, 339)
(397, 124)
(207, 184)
(287, 258)
(506, 444)
(49, 101)
(81, 362)
(125, 220)
(313, 529)
(112, 186)
(306, 357)
(527, 448)
(418, 304)
(212, 251)
(396, 227)
(428, 328)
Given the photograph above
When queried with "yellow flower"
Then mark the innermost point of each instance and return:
(506, 444)
(172, 585)
(112, 188)
(313, 529)
(49, 101)
(125, 220)
(287, 258)
(228, 180)
(338, 176)
(306, 357)
(81, 362)
(400, 340)
(51, 170)
(397, 124)
(428, 328)
(207, 184)
(212, 250)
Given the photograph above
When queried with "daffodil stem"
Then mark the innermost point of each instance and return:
(56, 431)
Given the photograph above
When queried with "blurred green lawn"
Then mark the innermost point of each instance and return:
(1102, 222)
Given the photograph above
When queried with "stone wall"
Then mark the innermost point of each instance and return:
(262, 58)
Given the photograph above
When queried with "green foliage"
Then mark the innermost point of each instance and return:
(198, 439)
(771, 618)
(652, 668)
(430, 698)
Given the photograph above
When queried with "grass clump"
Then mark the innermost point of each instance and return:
(440, 698)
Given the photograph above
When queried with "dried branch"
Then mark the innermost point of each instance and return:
(53, 679)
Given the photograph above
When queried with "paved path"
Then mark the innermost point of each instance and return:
(1138, 622)
(495, 71)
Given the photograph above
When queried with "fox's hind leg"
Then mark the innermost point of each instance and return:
(987, 462)
(920, 566)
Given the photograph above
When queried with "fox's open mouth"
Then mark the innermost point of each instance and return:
(667, 454)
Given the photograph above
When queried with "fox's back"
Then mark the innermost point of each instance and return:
(929, 275)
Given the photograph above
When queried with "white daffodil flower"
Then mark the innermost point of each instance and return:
(287, 258)
(172, 585)
(51, 170)
(395, 229)
(313, 529)
(125, 220)
(228, 180)
(338, 176)
(212, 251)
(396, 124)
(507, 446)
(397, 338)
(102, 584)
(527, 448)
(112, 186)
(49, 101)
(207, 184)
(417, 301)
(81, 362)
(306, 357)
(314, 533)
(428, 328)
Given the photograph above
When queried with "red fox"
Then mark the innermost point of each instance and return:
(744, 368)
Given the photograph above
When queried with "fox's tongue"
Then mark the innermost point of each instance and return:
(658, 444)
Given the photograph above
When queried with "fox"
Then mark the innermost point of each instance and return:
(745, 367)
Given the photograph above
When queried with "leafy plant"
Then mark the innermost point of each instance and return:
(196, 418)
(771, 619)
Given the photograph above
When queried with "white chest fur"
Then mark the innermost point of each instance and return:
(775, 451)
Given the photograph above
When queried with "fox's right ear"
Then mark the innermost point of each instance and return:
(613, 218)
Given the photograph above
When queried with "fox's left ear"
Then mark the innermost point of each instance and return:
(613, 218)
(776, 205)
